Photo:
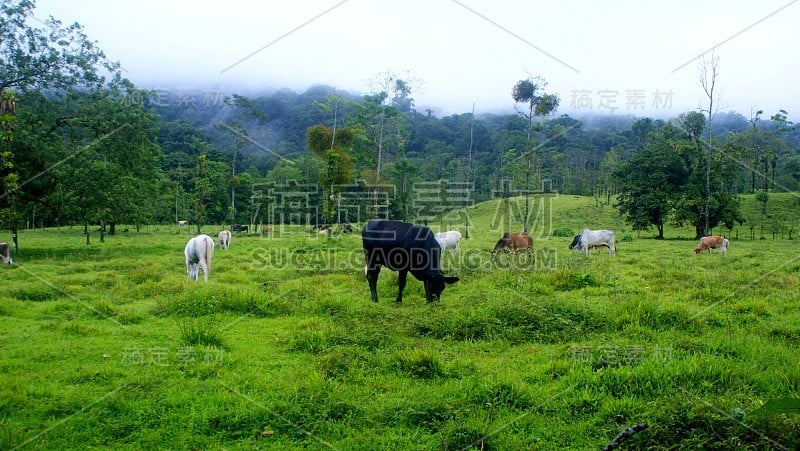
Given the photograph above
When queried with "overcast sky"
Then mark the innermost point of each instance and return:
(626, 57)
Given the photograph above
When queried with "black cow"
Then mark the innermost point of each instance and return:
(239, 228)
(403, 247)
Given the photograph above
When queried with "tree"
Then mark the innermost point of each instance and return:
(51, 57)
(708, 79)
(382, 117)
(331, 147)
(109, 161)
(608, 167)
(649, 182)
(540, 104)
(9, 177)
(708, 196)
(245, 109)
(202, 191)
(761, 147)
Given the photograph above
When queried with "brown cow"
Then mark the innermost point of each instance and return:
(5, 253)
(712, 242)
(517, 241)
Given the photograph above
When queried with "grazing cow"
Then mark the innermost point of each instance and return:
(265, 229)
(199, 250)
(593, 239)
(576, 240)
(712, 242)
(347, 228)
(405, 248)
(225, 239)
(182, 223)
(5, 253)
(516, 241)
(448, 240)
(239, 228)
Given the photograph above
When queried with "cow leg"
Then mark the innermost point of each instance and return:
(401, 284)
(372, 278)
(204, 265)
(428, 291)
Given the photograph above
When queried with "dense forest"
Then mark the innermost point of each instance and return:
(82, 145)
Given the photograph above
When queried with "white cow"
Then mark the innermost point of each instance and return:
(182, 223)
(594, 238)
(448, 240)
(199, 250)
(225, 239)
(5, 253)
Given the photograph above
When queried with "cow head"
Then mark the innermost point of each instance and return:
(575, 242)
(435, 285)
(503, 243)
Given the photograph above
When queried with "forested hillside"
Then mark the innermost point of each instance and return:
(83, 145)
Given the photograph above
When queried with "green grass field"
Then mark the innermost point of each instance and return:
(110, 346)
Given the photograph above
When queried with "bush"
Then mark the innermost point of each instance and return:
(563, 232)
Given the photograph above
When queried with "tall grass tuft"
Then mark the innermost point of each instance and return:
(104, 309)
(200, 331)
(418, 364)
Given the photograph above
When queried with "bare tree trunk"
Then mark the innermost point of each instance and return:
(469, 170)
(708, 81)
(380, 141)
(14, 239)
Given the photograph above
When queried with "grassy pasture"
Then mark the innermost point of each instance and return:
(110, 346)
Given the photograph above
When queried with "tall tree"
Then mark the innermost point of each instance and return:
(202, 191)
(539, 105)
(383, 114)
(707, 197)
(9, 177)
(708, 80)
(649, 182)
(50, 57)
(244, 110)
(109, 162)
(332, 149)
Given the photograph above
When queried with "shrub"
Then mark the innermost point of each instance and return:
(563, 232)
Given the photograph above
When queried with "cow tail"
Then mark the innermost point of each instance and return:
(209, 252)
